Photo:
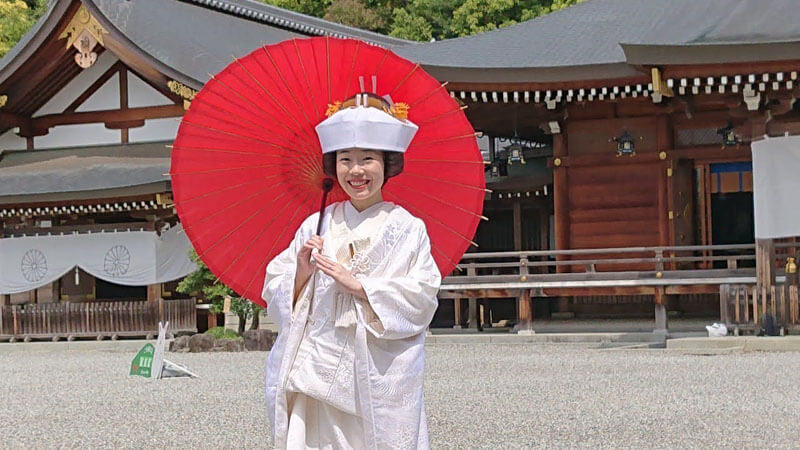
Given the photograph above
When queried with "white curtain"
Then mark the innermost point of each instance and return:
(776, 184)
(132, 258)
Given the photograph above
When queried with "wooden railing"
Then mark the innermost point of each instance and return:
(95, 319)
(644, 266)
(743, 307)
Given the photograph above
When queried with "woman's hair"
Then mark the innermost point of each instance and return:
(392, 164)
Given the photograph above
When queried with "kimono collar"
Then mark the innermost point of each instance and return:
(353, 217)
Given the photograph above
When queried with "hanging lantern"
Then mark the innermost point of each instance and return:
(729, 138)
(625, 144)
(515, 154)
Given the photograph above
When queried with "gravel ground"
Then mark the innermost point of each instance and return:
(478, 396)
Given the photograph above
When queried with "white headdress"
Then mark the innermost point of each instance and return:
(366, 122)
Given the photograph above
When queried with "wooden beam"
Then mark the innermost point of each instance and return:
(109, 116)
(125, 125)
(97, 227)
(583, 292)
(705, 152)
(729, 69)
(10, 120)
(123, 103)
(585, 84)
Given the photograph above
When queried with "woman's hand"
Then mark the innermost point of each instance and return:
(341, 275)
(304, 267)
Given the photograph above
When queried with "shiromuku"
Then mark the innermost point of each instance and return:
(353, 304)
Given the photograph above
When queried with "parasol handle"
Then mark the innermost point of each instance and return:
(327, 185)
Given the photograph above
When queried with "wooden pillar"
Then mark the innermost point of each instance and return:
(473, 313)
(544, 229)
(153, 292)
(33, 296)
(724, 301)
(525, 312)
(473, 303)
(517, 212)
(55, 286)
(5, 302)
(560, 196)
(665, 216)
(561, 222)
(765, 263)
(457, 313)
(765, 272)
(661, 325)
(486, 314)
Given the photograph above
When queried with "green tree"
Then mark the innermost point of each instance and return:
(408, 26)
(203, 284)
(314, 8)
(477, 16)
(354, 13)
(16, 18)
(422, 20)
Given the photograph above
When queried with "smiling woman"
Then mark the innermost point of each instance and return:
(347, 368)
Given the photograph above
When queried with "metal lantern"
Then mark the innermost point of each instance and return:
(729, 138)
(791, 265)
(625, 144)
(515, 154)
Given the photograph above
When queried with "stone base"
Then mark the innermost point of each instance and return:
(527, 332)
(661, 333)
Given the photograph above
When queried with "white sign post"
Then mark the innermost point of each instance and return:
(162, 368)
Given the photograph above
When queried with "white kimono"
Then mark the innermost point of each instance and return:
(351, 368)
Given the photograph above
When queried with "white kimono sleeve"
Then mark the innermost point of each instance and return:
(403, 304)
(279, 281)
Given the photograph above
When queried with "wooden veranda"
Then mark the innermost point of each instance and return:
(725, 270)
(96, 319)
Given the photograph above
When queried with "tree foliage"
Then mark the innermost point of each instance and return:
(16, 18)
(418, 20)
(203, 284)
(422, 20)
(354, 13)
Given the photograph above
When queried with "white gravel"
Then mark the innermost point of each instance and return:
(477, 396)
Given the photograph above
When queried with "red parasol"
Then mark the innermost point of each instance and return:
(247, 165)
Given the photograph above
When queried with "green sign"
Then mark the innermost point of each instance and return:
(143, 362)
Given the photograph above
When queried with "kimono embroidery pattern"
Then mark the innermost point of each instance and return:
(361, 264)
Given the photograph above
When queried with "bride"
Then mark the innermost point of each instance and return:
(353, 304)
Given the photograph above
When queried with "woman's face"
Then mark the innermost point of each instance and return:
(360, 173)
